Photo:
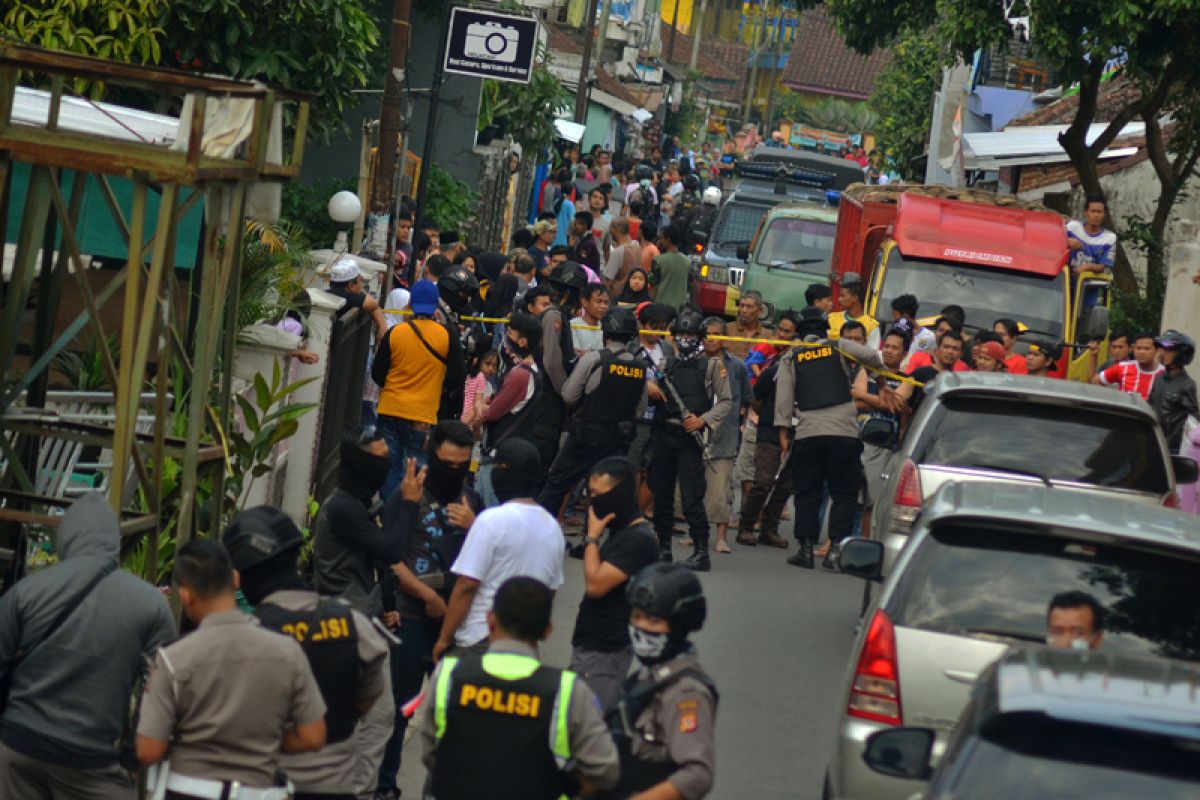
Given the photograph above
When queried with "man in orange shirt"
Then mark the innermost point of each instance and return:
(414, 361)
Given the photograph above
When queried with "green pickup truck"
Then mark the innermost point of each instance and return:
(792, 250)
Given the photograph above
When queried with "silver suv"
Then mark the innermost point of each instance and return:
(984, 562)
(974, 426)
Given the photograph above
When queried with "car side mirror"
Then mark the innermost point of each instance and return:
(1185, 469)
(901, 753)
(862, 558)
(743, 252)
(1097, 324)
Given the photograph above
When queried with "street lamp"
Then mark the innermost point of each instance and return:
(344, 209)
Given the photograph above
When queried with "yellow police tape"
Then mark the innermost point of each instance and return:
(721, 338)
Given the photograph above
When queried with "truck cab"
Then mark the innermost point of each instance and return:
(792, 251)
(993, 260)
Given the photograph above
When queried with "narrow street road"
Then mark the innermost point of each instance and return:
(776, 642)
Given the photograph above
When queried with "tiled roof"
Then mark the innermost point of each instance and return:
(822, 63)
(605, 82)
(1114, 94)
(724, 82)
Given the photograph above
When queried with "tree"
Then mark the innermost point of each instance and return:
(1156, 44)
(525, 111)
(903, 98)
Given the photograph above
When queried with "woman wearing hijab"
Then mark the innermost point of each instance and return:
(637, 288)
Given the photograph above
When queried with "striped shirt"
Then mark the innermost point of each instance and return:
(1130, 377)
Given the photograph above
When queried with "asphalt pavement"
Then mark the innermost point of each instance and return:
(776, 642)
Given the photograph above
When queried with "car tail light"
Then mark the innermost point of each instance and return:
(1171, 500)
(906, 503)
(875, 693)
(699, 247)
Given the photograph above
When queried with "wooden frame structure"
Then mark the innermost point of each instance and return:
(153, 329)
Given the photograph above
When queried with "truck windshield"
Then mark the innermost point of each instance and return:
(736, 225)
(985, 294)
(797, 245)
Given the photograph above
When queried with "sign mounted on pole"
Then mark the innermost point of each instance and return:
(486, 44)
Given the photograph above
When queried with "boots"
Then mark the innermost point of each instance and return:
(803, 556)
(772, 539)
(747, 538)
(831, 561)
(698, 560)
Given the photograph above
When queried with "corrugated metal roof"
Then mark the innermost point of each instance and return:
(32, 107)
(1035, 144)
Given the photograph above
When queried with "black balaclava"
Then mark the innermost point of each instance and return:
(275, 574)
(620, 500)
(443, 481)
(510, 483)
(361, 473)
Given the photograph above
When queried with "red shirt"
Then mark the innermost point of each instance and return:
(1130, 378)
(922, 359)
(1016, 365)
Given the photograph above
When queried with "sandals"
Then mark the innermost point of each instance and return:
(722, 547)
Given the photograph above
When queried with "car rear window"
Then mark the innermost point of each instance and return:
(1078, 444)
(993, 583)
(736, 225)
(1044, 757)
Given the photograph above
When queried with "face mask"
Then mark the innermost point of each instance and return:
(445, 481)
(621, 500)
(688, 346)
(360, 473)
(510, 484)
(650, 648)
(1079, 644)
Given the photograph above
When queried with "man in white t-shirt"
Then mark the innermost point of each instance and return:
(516, 538)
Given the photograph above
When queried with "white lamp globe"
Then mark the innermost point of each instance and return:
(344, 207)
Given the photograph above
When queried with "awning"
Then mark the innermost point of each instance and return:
(612, 102)
(571, 131)
(32, 107)
(1034, 144)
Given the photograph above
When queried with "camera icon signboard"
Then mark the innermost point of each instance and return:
(487, 44)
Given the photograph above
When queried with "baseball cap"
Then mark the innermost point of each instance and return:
(424, 297)
(344, 271)
(1048, 349)
(993, 349)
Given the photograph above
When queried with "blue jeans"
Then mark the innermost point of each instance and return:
(404, 441)
(411, 661)
(483, 485)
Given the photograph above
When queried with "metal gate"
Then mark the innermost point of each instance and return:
(341, 408)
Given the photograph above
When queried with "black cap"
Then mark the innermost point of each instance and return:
(258, 534)
(518, 454)
(813, 320)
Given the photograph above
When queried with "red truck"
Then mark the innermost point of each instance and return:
(994, 256)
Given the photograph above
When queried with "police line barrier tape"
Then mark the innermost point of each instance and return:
(721, 338)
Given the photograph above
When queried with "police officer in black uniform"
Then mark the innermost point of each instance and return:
(664, 723)
(813, 383)
(608, 392)
(697, 395)
(347, 654)
(458, 290)
(557, 359)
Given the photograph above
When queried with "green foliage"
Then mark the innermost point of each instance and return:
(306, 205)
(268, 418)
(903, 97)
(525, 111)
(830, 114)
(448, 201)
(84, 370)
(274, 258)
(120, 30)
(321, 46)
(685, 123)
(1141, 310)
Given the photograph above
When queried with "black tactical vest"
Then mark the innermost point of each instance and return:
(565, 341)
(820, 378)
(521, 423)
(616, 397)
(496, 742)
(330, 641)
(688, 378)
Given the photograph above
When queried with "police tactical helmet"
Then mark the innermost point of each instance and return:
(712, 196)
(692, 182)
(1180, 343)
(670, 591)
(258, 534)
(620, 322)
(813, 321)
(458, 281)
(644, 172)
(569, 275)
(689, 323)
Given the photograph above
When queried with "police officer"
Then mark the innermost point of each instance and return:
(664, 723)
(608, 391)
(813, 384)
(347, 654)
(458, 289)
(514, 410)
(557, 354)
(697, 398)
(226, 700)
(505, 727)
(700, 221)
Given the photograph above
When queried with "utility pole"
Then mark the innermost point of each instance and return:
(698, 34)
(435, 94)
(760, 23)
(581, 92)
(602, 34)
(391, 111)
(775, 71)
(674, 29)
